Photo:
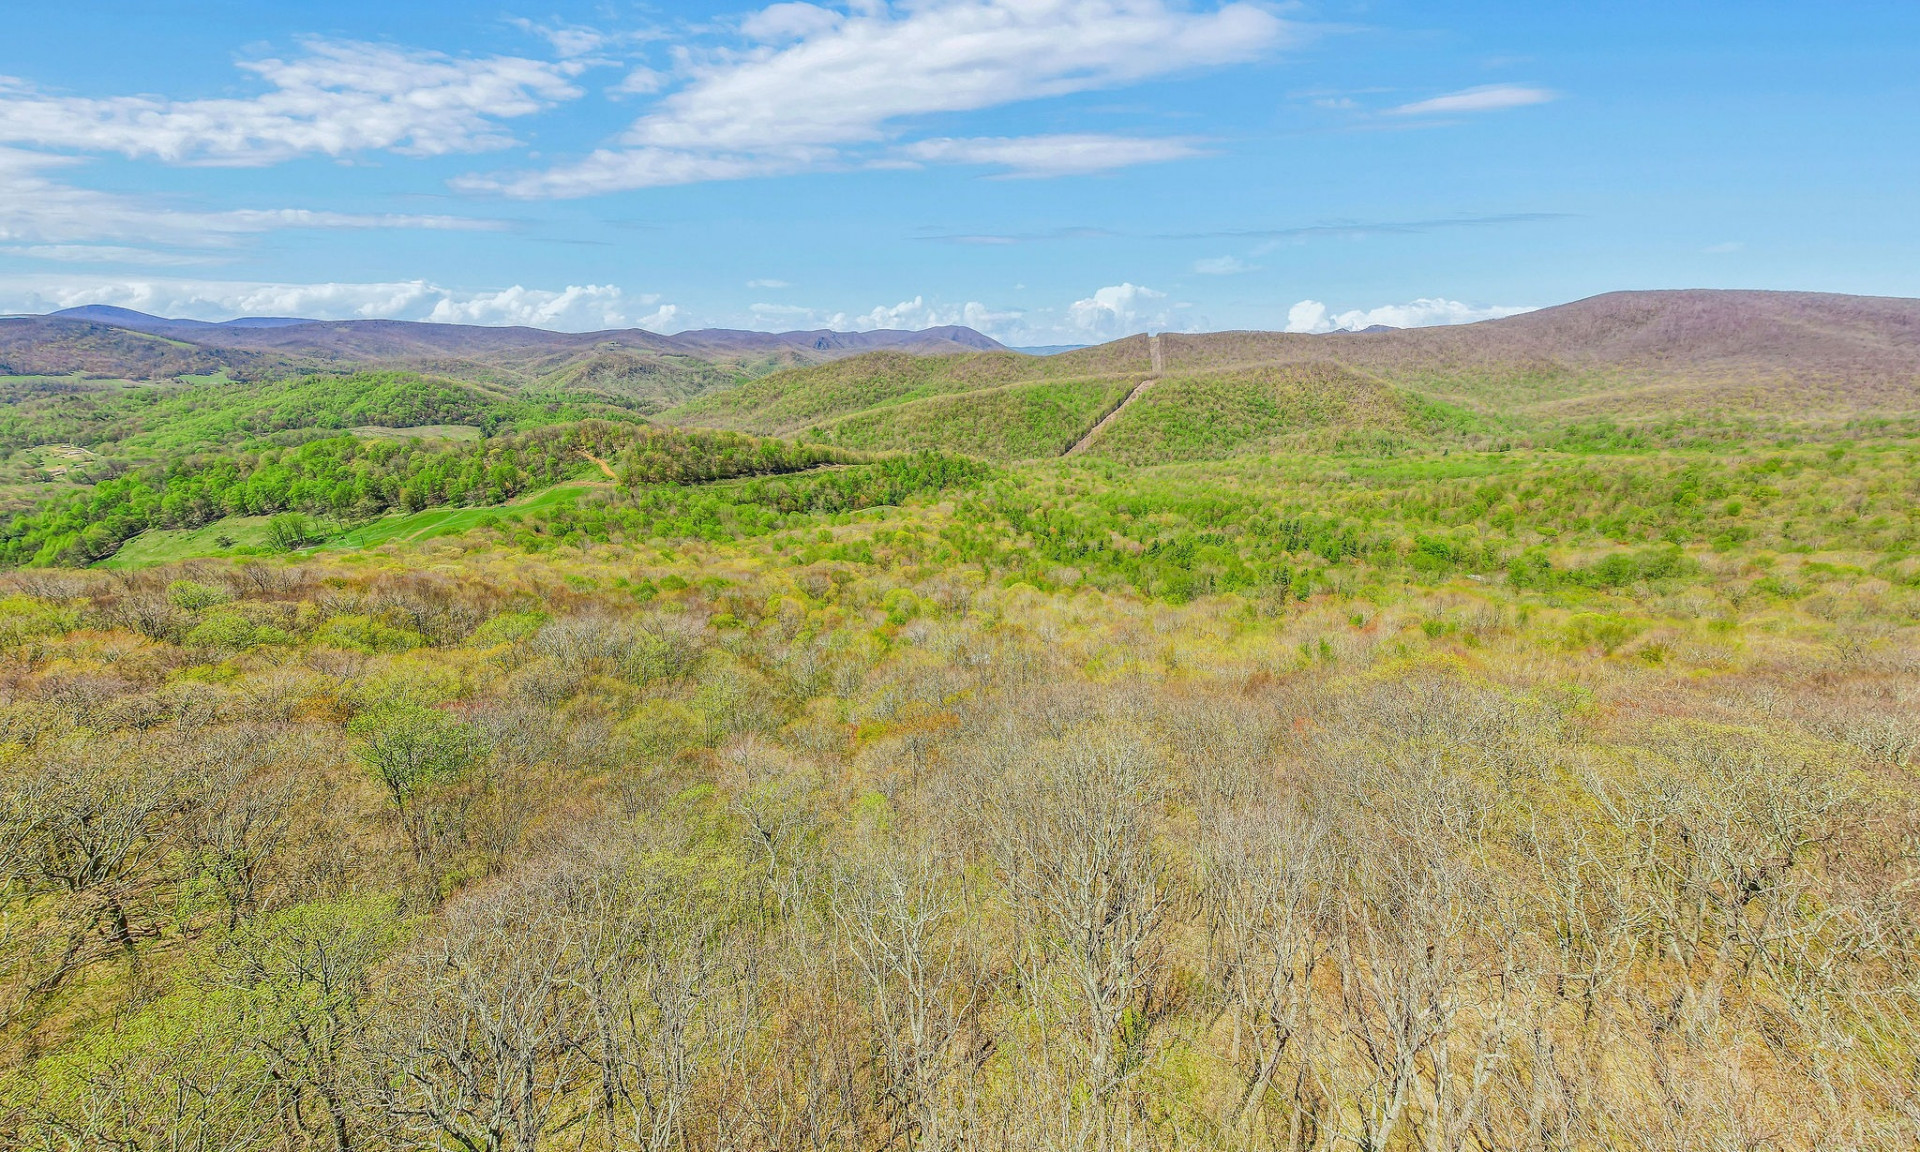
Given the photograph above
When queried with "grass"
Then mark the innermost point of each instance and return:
(425, 525)
(249, 533)
(165, 546)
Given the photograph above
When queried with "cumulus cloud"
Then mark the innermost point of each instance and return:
(1486, 98)
(1117, 310)
(335, 98)
(865, 70)
(1313, 316)
(576, 308)
(580, 307)
(916, 314)
(1057, 155)
(54, 220)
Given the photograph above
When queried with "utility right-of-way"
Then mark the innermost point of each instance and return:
(1159, 366)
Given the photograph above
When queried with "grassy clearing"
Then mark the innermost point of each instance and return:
(249, 533)
(165, 546)
(426, 525)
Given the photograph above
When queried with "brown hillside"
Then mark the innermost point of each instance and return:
(1774, 351)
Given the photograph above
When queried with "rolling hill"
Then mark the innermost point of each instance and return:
(1632, 356)
(1625, 355)
(1631, 353)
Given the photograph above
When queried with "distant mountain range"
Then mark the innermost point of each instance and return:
(1622, 351)
(638, 368)
(360, 338)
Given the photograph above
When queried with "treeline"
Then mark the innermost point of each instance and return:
(663, 456)
(342, 477)
(141, 420)
(345, 478)
(754, 508)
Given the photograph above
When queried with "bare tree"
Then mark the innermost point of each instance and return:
(89, 828)
(1268, 890)
(900, 918)
(667, 999)
(479, 1044)
(1071, 826)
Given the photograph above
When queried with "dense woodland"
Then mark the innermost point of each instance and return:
(1551, 789)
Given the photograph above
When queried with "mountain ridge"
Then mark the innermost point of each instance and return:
(257, 333)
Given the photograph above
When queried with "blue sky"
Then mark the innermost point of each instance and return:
(1049, 171)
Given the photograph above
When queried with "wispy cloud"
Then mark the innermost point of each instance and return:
(1486, 98)
(1314, 317)
(865, 71)
(1003, 238)
(63, 222)
(768, 284)
(1358, 228)
(586, 307)
(1223, 266)
(109, 254)
(335, 98)
(1057, 155)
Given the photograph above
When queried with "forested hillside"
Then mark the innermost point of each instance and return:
(1317, 759)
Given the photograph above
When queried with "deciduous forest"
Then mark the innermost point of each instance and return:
(1392, 766)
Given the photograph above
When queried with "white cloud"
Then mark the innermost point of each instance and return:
(576, 308)
(641, 81)
(1223, 266)
(568, 40)
(1487, 98)
(768, 284)
(1058, 155)
(1118, 310)
(775, 313)
(51, 220)
(817, 83)
(1724, 248)
(1313, 316)
(335, 98)
(916, 314)
(779, 23)
(908, 315)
